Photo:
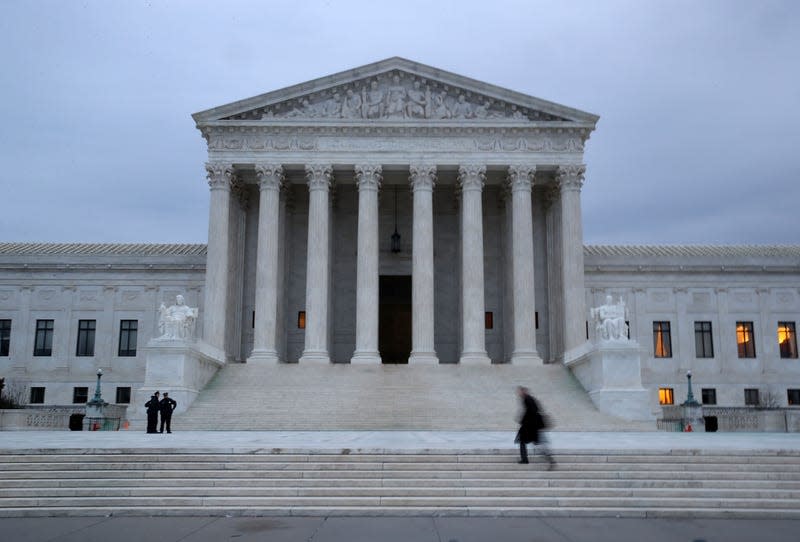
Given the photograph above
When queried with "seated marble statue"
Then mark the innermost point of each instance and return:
(610, 320)
(176, 321)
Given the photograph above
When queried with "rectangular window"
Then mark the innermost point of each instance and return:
(123, 395)
(751, 397)
(488, 320)
(703, 343)
(628, 329)
(745, 339)
(43, 344)
(85, 338)
(787, 339)
(666, 396)
(709, 396)
(301, 320)
(5, 337)
(128, 330)
(37, 395)
(80, 395)
(793, 397)
(662, 341)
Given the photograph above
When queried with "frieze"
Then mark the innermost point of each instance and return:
(395, 95)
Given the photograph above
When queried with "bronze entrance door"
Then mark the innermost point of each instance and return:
(394, 320)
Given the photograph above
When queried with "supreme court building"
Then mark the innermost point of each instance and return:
(400, 214)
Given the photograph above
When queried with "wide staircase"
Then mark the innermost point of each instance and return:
(598, 483)
(391, 397)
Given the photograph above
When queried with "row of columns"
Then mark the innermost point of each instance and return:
(422, 179)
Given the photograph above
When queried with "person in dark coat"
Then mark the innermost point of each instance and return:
(530, 427)
(167, 405)
(152, 406)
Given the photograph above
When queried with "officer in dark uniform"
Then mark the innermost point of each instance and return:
(152, 407)
(167, 405)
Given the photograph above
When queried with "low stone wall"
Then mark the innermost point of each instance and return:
(737, 419)
(44, 418)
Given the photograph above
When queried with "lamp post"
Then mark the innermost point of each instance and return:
(97, 400)
(690, 400)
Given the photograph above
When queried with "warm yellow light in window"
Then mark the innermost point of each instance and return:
(665, 396)
(301, 320)
(784, 333)
(661, 352)
(742, 334)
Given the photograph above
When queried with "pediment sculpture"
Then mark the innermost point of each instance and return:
(395, 96)
(177, 321)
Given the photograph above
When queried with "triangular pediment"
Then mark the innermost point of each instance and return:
(395, 90)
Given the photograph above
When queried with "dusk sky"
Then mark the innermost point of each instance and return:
(699, 102)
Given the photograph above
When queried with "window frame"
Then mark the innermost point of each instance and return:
(5, 337)
(791, 339)
(36, 395)
(84, 346)
(78, 392)
(662, 337)
(126, 337)
(122, 390)
(752, 397)
(745, 348)
(708, 396)
(43, 338)
(793, 397)
(703, 339)
(666, 396)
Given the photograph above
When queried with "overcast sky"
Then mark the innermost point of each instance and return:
(699, 101)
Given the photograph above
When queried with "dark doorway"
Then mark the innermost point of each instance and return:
(394, 321)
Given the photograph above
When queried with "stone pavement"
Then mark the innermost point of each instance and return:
(387, 441)
(241, 529)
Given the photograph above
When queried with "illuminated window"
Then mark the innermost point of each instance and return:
(662, 341)
(301, 320)
(709, 396)
(745, 339)
(751, 397)
(703, 343)
(488, 320)
(787, 339)
(665, 396)
(793, 397)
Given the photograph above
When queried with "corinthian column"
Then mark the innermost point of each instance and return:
(520, 179)
(219, 176)
(270, 178)
(473, 338)
(318, 265)
(368, 178)
(422, 293)
(570, 181)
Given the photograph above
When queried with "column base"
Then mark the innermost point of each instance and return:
(525, 358)
(423, 358)
(365, 358)
(475, 358)
(315, 358)
(263, 357)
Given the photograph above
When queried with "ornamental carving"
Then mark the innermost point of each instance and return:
(570, 177)
(396, 95)
(368, 176)
(270, 176)
(423, 176)
(471, 177)
(219, 175)
(319, 176)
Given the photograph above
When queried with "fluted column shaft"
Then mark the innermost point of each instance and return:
(270, 178)
(318, 265)
(473, 350)
(422, 269)
(570, 181)
(368, 178)
(520, 179)
(220, 176)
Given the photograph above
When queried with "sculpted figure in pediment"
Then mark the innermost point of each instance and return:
(351, 106)
(333, 106)
(373, 101)
(418, 99)
(462, 109)
(439, 107)
(396, 99)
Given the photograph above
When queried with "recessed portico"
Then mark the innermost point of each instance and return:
(482, 184)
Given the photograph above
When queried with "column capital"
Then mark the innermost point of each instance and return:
(570, 178)
(220, 175)
(520, 177)
(471, 177)
(368, 176)
(270, 176)
(319, 176)
(422, 176)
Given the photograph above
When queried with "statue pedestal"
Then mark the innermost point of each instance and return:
(179, 367)
(612, 375)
